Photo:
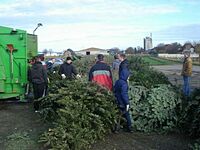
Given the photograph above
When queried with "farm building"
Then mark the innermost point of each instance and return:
(92, 51)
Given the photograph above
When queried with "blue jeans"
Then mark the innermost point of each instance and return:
(126, 115)
(186, 85)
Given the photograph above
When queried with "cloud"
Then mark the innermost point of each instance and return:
(10, 10)
(83, 23)
(78, 36)
(191, 2)
(181, 33)
(80, 7)
(112, 9)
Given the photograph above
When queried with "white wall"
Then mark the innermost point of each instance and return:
(92, 52)
(52, 54)
(177, 55)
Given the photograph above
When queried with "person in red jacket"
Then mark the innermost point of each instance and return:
(101, 73)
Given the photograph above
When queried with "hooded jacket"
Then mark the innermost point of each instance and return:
(37, 74)
(123, 65)
(121, 88)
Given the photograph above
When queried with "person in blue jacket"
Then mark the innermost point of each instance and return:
(123, 62)
(121, 94)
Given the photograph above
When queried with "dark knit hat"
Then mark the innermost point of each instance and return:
(68, 58)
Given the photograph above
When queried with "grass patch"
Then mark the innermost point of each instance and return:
(157, 61)
(20, 141)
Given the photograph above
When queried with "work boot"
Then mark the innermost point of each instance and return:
(130, 130)
(116, 128)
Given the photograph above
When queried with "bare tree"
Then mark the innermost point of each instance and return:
(114, 50)
(45, 51)
(188, 45)
(129, 50)
(197, 49)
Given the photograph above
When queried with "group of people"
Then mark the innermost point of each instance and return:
(101, 74)
(37, 76)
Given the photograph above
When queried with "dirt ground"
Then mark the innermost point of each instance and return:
(141, 141)
(20, 126)
(21, 122)
(20, 118)
(173, 72)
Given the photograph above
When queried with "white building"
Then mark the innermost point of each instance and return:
(194, 55)
(92, 51)
(148, 44)
(52, 54)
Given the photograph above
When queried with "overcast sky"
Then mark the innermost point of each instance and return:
(79, 24)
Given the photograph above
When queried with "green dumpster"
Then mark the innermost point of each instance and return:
(17, 47)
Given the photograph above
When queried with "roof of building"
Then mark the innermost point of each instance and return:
(92, 49)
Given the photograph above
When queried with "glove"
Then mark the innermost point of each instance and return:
(63, 76)
(128, 80)
(127, 107)
(48, 81)
(78, 76)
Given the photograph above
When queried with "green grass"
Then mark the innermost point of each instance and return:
(20, 141)
(157, 61)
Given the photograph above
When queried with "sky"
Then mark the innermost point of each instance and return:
(80, 24)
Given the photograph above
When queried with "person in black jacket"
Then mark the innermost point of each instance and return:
(67, 70)
(38, 78)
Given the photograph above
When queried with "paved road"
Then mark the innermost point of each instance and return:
(173, 72)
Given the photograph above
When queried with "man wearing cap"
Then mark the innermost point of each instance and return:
(67, 70)
(101, 73)
(186, 72)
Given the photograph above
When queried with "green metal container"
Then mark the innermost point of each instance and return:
(17, 47)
